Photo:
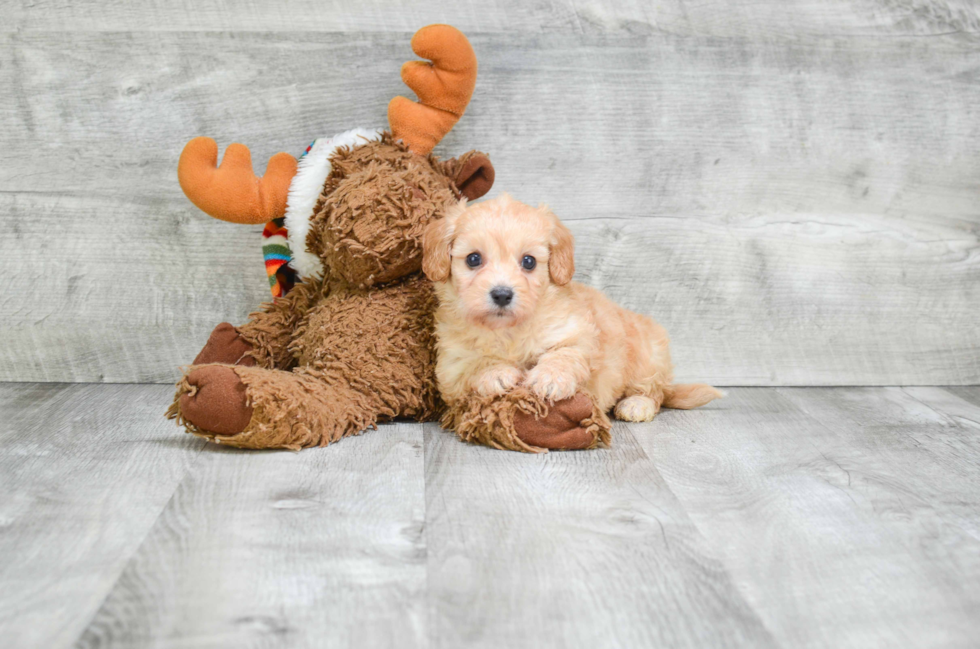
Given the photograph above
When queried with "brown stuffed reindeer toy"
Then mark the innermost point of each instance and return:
(353, 342)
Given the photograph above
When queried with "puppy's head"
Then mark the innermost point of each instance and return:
(497, 258)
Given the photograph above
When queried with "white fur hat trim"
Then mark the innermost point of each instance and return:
(304, 190)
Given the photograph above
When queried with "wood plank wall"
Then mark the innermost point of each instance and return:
(791, 187)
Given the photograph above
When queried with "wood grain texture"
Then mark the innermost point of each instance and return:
(847, 517)
(803, 517)
(569, 550)
(799, 210)
(84, 470)
(969, 393)
(323, 548)
(767, 18)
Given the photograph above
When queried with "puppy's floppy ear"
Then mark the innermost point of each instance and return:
(437, 244)
(473, 174)
(561, 262)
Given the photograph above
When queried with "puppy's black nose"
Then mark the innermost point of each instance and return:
(501, 295)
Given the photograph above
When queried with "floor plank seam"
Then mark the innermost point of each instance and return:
(719, 558)
(203, 445)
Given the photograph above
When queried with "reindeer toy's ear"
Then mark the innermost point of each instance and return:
(444, 87)
(473, 174)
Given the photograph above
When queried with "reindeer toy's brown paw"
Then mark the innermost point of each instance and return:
(212, 399)
(567, 426)
(520, 421)
(226, 345)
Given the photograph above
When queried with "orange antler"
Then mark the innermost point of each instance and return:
(443, 86)
(232, 192)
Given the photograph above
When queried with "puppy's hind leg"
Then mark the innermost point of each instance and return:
(637, 408)
(646, 368)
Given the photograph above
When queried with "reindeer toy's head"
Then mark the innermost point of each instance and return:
(356, 205)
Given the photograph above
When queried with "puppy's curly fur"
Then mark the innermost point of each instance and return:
(509, 316)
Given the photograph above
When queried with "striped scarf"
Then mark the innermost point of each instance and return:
(275, 250)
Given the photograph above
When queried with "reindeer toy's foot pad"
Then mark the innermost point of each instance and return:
(213, 399)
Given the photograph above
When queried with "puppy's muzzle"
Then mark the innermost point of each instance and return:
(502, 295)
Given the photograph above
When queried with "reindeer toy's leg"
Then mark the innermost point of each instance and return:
(263, 341)
(254, 407)
(211, 397)
(360, 357)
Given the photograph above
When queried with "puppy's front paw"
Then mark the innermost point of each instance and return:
(498, 380)
(551, 384)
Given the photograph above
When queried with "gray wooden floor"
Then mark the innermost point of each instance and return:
(779, 517)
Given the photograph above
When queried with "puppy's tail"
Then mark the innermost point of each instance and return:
(690, 395)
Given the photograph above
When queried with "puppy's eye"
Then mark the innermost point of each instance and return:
(529, 262)
(474, 259)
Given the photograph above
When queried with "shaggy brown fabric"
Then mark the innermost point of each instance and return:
(225, 346)
(520, 421)
(335, 356)
(291, 410)
(359, 342)
(377, 341)
(363, 355)
(270, 331)
(375, 205)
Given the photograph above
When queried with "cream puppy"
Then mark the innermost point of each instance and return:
(510, 314)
